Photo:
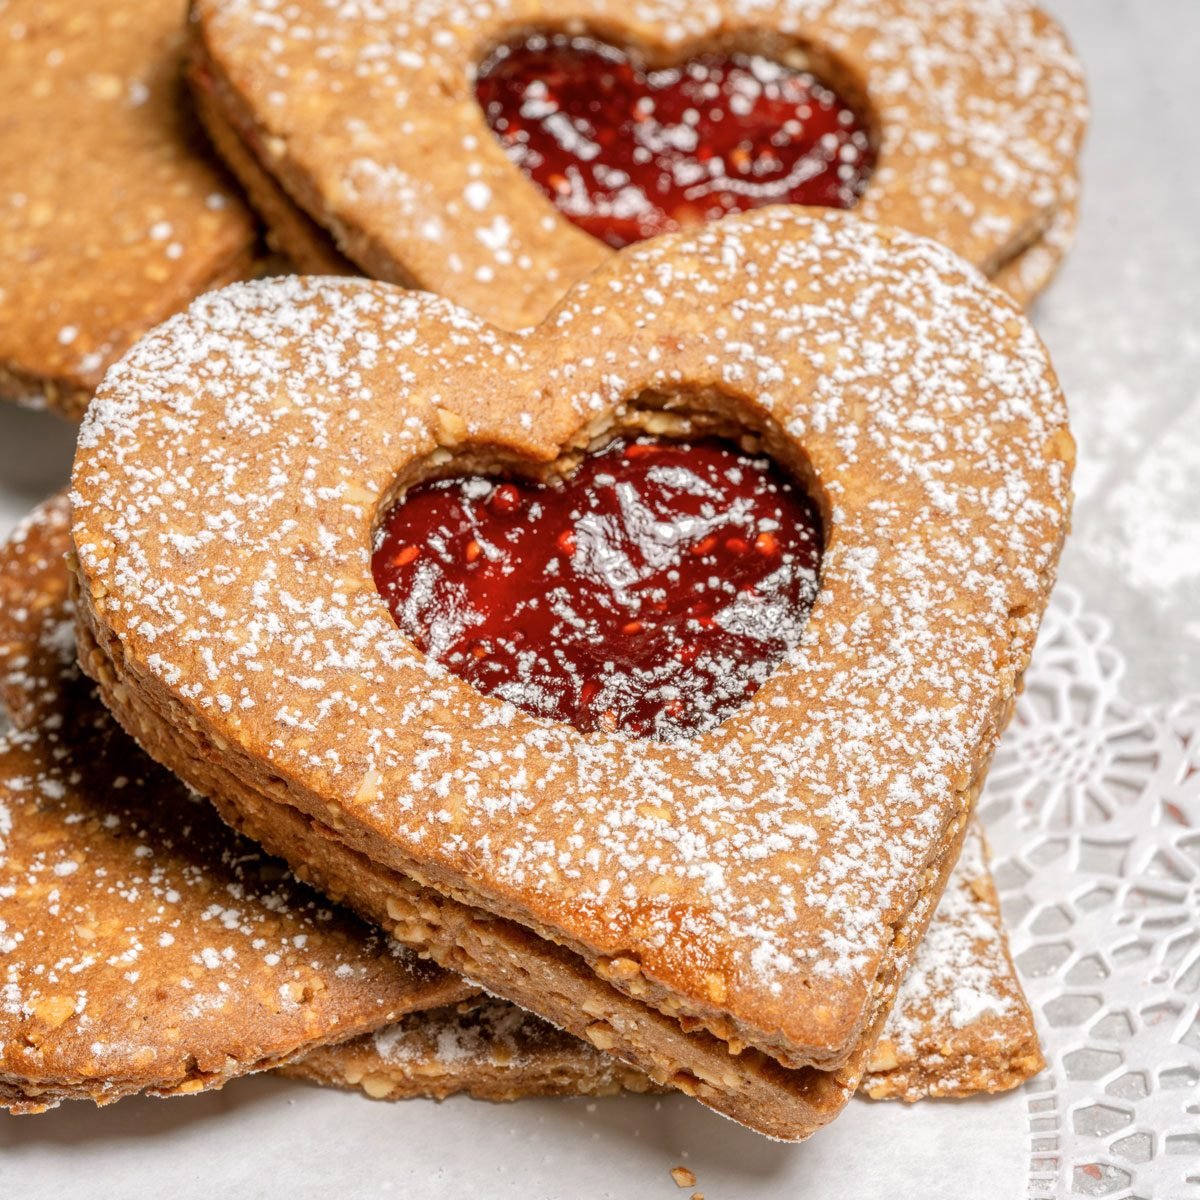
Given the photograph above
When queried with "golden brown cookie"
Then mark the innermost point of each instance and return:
(112, 215)
(37, 635)
(761, 886)
(143, 946)
(960, 1002)
(366, 122)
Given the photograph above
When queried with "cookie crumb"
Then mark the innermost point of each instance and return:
(683, 1177)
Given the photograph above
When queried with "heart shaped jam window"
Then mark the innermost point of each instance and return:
(653, 591)
(627, 152)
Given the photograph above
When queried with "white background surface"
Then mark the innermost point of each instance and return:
(1123, 324)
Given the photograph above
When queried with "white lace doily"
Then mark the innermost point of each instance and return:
(1093, 811)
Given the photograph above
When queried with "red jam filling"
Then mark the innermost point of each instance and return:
(626, 153)
(653, 592)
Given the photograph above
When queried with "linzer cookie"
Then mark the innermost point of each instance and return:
(112, 216)
(726, 895)
(496, 155)
(312, 974)
(960, 1024)
(960, 1000)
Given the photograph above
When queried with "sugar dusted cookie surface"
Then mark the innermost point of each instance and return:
(144, 947)
(366, 119)
(495, 1051)
(227, 489)
(112, 215)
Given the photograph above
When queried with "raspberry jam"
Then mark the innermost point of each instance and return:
(653, 592)
(626, 153)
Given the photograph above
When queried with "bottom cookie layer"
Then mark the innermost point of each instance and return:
(488, 1049)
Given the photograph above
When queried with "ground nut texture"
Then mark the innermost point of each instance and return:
(356, 127)
(128, 219)
(487, 1048)
(761, 885)
(961, 1025)
(143, 946)
(978, 1039)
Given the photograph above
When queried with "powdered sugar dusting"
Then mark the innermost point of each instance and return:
(961, 1022)
(960, 968)
(979, 104)
(143, 946)
(225, 493)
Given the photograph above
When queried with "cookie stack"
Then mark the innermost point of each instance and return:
(607, 569)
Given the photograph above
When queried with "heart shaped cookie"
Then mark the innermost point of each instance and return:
(731, 912)
(127, 219)
(495, 155)
(488, 1048)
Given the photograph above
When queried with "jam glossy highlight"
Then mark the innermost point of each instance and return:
(652, 592)
(627, 152)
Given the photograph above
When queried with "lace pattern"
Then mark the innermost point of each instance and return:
(1093, 810)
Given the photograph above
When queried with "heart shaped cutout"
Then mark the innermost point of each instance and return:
(762, 884)
(625, 152)
(653, 590)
